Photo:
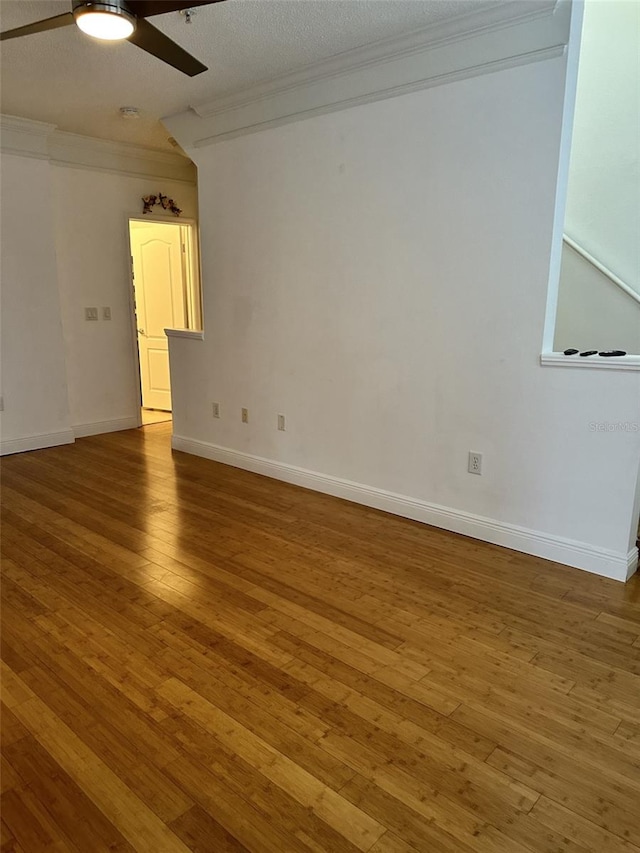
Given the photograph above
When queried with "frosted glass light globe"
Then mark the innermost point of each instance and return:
(108, 26)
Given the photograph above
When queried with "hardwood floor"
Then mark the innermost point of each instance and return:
(199, 658)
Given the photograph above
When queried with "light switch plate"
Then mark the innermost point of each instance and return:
(90, 313)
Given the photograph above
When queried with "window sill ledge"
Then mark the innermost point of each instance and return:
(593, 362)
(192, 334)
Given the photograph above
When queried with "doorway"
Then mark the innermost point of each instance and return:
(166, 295)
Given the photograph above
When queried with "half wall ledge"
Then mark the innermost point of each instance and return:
(196, 335)
(594, 362)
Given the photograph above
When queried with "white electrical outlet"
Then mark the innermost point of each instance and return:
(90, 313)
(281, 425)
(475, 463)
(215, 410)
(106, 313)
(245, 416)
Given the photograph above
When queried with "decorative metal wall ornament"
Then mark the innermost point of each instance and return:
(164, 201)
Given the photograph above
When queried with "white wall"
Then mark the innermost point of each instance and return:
(34, 386)
(380, 276)
(603, 203)
(91, 211)
(65, 203)
(593, 312)
(603, 213)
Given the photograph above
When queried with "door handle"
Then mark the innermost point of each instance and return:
(141, 332)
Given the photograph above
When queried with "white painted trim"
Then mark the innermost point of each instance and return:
(68, 142)
(42, 141)
(192, 334)
(133, 324)
(504, 36)
(632, 563)
(145, 218)
(593, 362)
(26, 125)
(381, 51)
(19, 151)
(73, 150)
(562, 182)
(25, 137)
(127, 173)
(601, 268)
(581, 555)
(100, 427)
(36, 442)
(298, 113)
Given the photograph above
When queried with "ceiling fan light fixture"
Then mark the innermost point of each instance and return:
(108, 21)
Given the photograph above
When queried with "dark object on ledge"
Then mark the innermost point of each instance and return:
(590, 352)
(608, 353)
(570, 351)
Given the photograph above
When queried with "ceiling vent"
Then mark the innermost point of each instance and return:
(129, 112)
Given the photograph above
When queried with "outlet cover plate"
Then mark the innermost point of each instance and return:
(475, 462)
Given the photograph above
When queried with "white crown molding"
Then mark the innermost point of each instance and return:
(77, 151)
(387, 49)
(43, 141)
(580, 555)
(390, 92)
(506, 35)
(25, 137)
(26, 125)
(36, 442)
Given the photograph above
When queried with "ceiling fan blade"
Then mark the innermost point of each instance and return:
(157, 44)
(147, 8)
(39, 26)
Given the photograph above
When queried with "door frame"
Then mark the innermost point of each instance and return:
(195, 260)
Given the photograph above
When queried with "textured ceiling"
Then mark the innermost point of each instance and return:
(79, 84)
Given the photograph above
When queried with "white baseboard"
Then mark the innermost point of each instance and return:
(99, 427)
(580, 555)
(632, 563)
(36, 442)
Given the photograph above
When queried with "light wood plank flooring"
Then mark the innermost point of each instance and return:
(199, 658)
(155, 416)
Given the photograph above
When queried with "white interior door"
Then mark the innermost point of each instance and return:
(160, 292)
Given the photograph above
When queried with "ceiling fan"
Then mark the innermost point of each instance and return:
(114, 20)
